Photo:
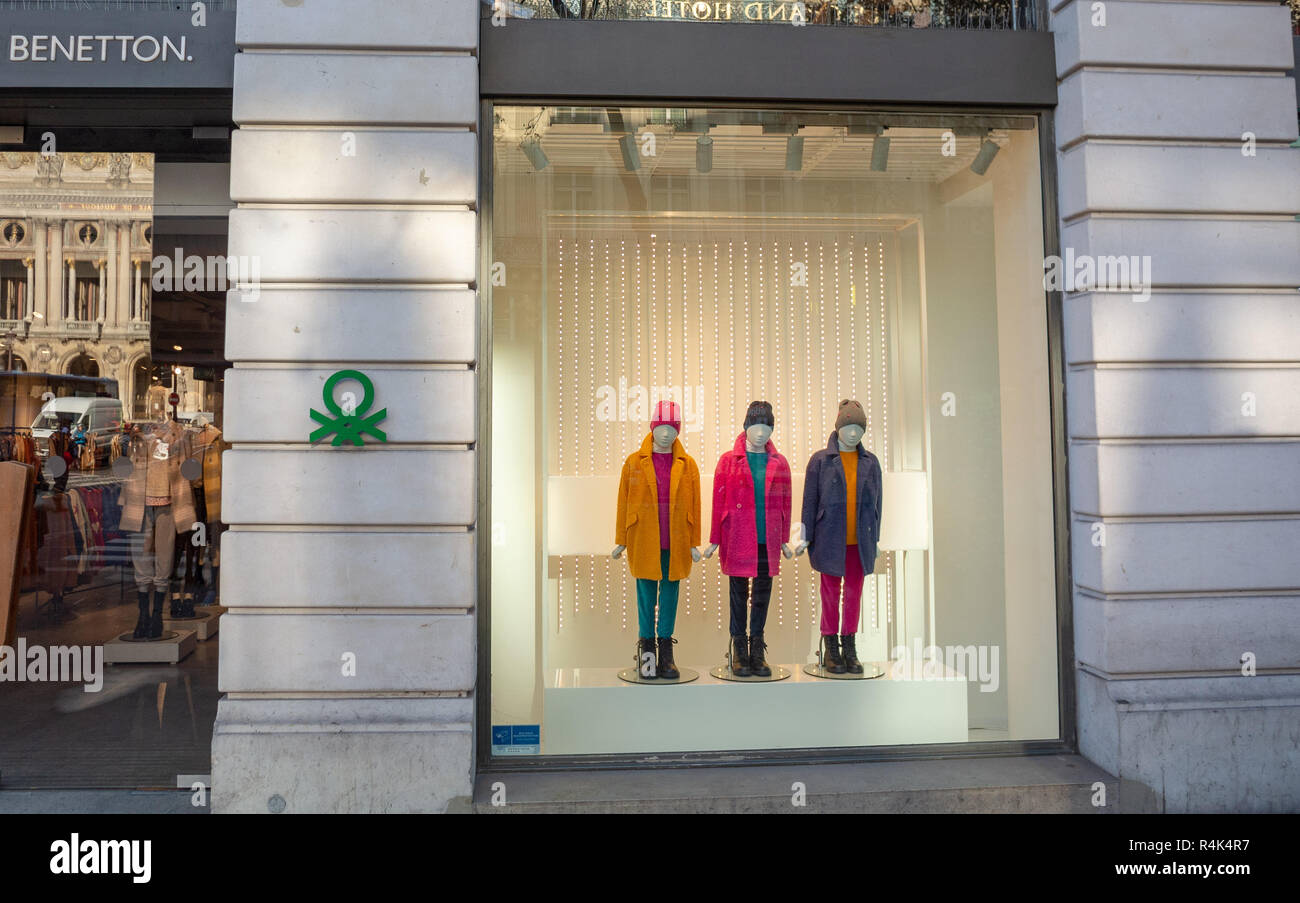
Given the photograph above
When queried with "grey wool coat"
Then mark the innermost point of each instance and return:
(825, 518)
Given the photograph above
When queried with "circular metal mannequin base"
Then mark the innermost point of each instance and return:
(166, 635)
(723, 672)
(633, 676)
(869, 671)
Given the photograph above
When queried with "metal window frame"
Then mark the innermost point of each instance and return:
(510, 63)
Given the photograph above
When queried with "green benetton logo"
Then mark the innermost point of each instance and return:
(348, 424)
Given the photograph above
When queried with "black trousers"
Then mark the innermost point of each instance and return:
(740, 598)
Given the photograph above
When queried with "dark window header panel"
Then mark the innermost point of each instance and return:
(760, 63)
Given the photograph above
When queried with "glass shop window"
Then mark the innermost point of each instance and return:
(771, 447)
(110, 476)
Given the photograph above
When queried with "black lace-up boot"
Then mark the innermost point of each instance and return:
(155, 623)
(142, 624)
(667, 670)
(831, 659)
(848, 643)
(758, 665)
(739, 657)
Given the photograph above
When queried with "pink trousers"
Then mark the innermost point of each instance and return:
(852, 580)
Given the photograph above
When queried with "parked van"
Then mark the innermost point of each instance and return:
(100, 418)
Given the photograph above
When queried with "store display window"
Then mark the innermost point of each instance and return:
(770, 457)
(111, 388)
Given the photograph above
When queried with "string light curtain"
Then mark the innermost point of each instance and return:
(713, 312)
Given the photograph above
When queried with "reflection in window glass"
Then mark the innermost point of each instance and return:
(110, 463)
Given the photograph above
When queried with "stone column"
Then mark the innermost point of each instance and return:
(110, 300)
(350, 673)
(136, 296)
(101, 307)
(1172, 127)
(29, 299)
(39, 299)
(54, 300)
(70, 310)
(122, 309)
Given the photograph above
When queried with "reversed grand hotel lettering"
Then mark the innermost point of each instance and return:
(723, 10)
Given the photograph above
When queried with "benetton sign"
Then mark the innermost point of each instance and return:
(86, 48)
(105, 48)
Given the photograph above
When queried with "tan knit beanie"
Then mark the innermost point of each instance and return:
(850, 412)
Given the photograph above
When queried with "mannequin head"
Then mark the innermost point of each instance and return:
(759, 424)
(850, 435)
(850, 424)
(663, 435)
(757, 435)
(665, 424)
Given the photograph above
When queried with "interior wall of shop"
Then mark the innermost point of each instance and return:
(1197, 494)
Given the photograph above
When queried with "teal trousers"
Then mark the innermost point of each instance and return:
(646, 593)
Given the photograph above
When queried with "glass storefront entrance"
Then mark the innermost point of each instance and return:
(676, 266)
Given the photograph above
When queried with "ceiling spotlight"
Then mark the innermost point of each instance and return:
(794, 153)
(177, 348)
(631, 159)
(988, 150)
(880, 151)
(703, 153)
(532, 149)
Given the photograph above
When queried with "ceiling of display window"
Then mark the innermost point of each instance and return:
(749, 141)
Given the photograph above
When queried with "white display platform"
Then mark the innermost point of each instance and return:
(589, 710)
(204, 622)
(118, 651)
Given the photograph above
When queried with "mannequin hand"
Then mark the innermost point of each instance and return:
(708, 552)
(785, 550)
(800, 549)
(695, 554)
(618, 552)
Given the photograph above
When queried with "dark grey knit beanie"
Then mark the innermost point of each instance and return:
(759, 412)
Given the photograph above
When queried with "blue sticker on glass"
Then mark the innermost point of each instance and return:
(526, 734)
(516, 739)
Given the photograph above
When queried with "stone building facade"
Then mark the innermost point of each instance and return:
(75, 254)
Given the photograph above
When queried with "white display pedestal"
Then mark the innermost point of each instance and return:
(204, 623)
(165, 650)
(589, 710)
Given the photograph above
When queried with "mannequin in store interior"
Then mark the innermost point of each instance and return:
(203, 469)
(841, 524)
(157, 505)
(751, 519)
(658, 524)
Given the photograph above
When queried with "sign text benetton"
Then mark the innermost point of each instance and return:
(97, 48)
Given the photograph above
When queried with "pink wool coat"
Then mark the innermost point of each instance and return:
(734, 526)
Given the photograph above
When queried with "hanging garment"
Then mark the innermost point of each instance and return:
(85, 548)
(56, 557)
(209, 445)
(825, 499)
(637, 520)
(733, 525)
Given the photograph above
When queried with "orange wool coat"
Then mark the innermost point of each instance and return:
(637, 526)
